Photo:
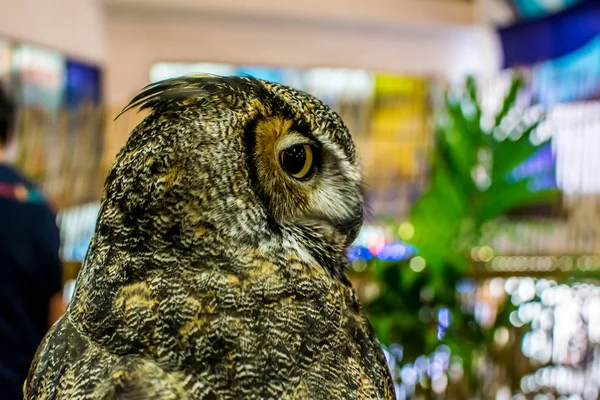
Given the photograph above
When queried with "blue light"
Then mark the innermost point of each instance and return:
(444, 317)
(539, 169)
(396, 251)
(568, 78)
(364, 253)
(83, 83)
(353, 254)
(443, 322)
(265, 73)
(541, 162)
(441, 333)
(397, 351)
(466, 286)
(532, 9)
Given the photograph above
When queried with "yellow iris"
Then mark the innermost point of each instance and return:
(298, 160)
(307, 163)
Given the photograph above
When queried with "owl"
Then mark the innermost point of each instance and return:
(218, 266)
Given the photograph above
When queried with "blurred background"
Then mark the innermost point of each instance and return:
(477, 122)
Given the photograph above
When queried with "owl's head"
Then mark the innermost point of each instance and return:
(245, 159)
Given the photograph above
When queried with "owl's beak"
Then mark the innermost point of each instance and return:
(353, 233)
(350, 227)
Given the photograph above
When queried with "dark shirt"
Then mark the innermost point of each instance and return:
(30, 274)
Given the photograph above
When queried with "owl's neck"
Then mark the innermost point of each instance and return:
(118, 264)
(319, 244)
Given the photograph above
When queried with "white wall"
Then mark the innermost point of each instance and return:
(74, 27)
(128, 36)
(390, 12)
(141, 36)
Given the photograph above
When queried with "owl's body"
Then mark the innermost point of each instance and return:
(218, 270)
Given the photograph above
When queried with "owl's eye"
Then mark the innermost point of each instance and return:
(298, 161)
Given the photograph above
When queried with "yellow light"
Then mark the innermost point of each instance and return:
(485, 253)
(417, 264)
(501, 336)
(406, 231)
(359, 265)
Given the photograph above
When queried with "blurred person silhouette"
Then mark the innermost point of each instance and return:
(30, 269)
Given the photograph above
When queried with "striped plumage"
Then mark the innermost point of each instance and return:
(213, 274)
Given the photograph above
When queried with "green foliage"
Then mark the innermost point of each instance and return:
(468, 188)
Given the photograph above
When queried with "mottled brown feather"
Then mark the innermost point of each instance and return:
(204, 279)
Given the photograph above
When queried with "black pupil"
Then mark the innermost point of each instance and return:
(294, 159)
